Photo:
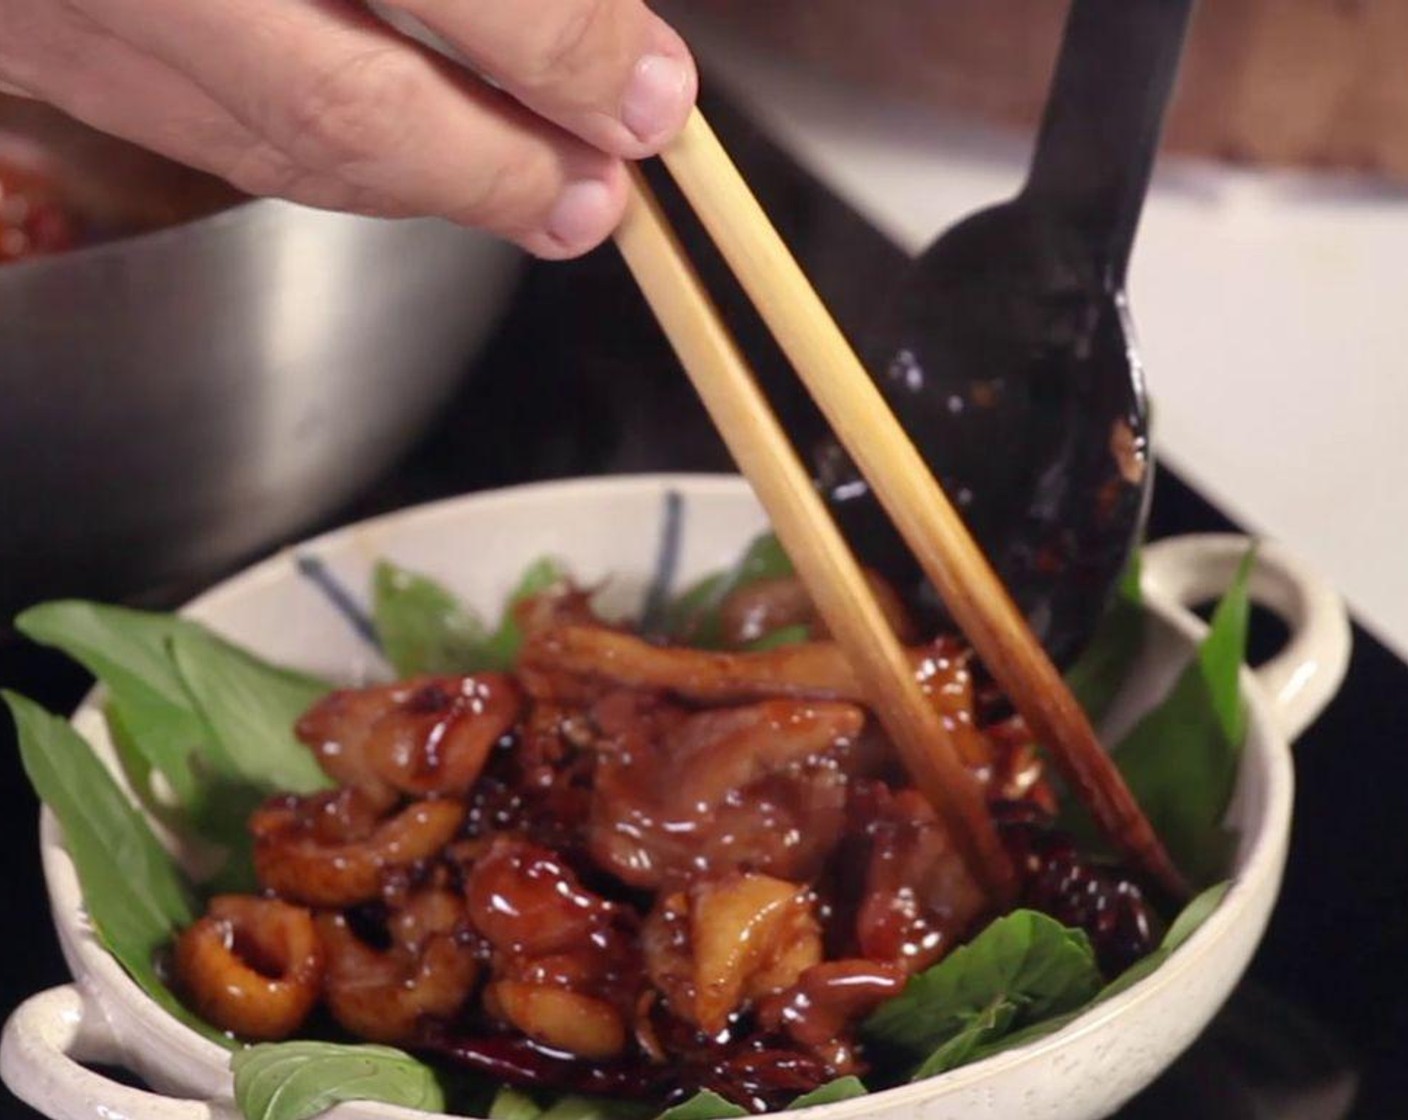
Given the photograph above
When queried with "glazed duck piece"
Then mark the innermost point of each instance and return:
(760, 787)
(429, 735)
(576, 663)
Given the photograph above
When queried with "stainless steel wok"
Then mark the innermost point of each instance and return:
(173, 401)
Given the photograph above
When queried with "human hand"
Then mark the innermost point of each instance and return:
(320, 102)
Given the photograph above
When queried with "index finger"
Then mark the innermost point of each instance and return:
(346, 97)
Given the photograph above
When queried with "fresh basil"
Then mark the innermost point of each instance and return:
(505, 642)
(514, 1104)
(992, 1022)
(214, 721)
(511, 1104)
(1194, 915)
(1181, 759)
(693, 610)
(704, 1105)
(842, 1089)
(133, 893)
(248, 708)
(296, 1080)
(595, 1108)
(782, 636)
(694, 618)
(128, 651)
(1102, 669)
(1184, 926)
(1025, 959)
(424, 628)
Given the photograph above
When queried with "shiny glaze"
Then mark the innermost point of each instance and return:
(428, 735)
(761, 786)
(640, 870)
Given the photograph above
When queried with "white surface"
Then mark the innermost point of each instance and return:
(601, 527)
(1269, 309)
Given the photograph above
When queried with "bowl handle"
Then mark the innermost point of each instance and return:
(46, 1039)
(1301, 679)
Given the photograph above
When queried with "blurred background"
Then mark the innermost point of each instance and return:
(1267, 277)
(1291, 83)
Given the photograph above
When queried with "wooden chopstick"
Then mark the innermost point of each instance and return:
(843, 596)
(865, 426)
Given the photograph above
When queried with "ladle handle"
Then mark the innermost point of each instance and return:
(1095, 151)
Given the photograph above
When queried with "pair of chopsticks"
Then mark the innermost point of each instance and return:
(907, 489)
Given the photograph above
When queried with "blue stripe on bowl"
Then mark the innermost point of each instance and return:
(667, 559)
(653, 611)
(342, 600)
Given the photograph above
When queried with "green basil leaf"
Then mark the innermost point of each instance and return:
(764, 558)
(1029, 1033)
(1136, 972)
(1181, 759)
(505, 642)
(991, 1023)
(1225, 649)
(595, 1108)
(248, 708)
(685, 614)
(842, 1089)
(1025, 958)
(213, 720)
(782, 636)
(133, 892)
(1195, 914)
(704, 1105)
(422, 627)
(694, 619)
(514, 1104)
(1102, 669)
(296, 1080)
(127, 651)
(137, 767)
(1192, 916)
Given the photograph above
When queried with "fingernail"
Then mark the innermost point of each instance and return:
(656, 98)
(582, 214)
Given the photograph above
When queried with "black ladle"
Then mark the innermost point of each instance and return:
(1007, 351)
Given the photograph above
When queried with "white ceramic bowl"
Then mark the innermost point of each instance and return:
(612, 527)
